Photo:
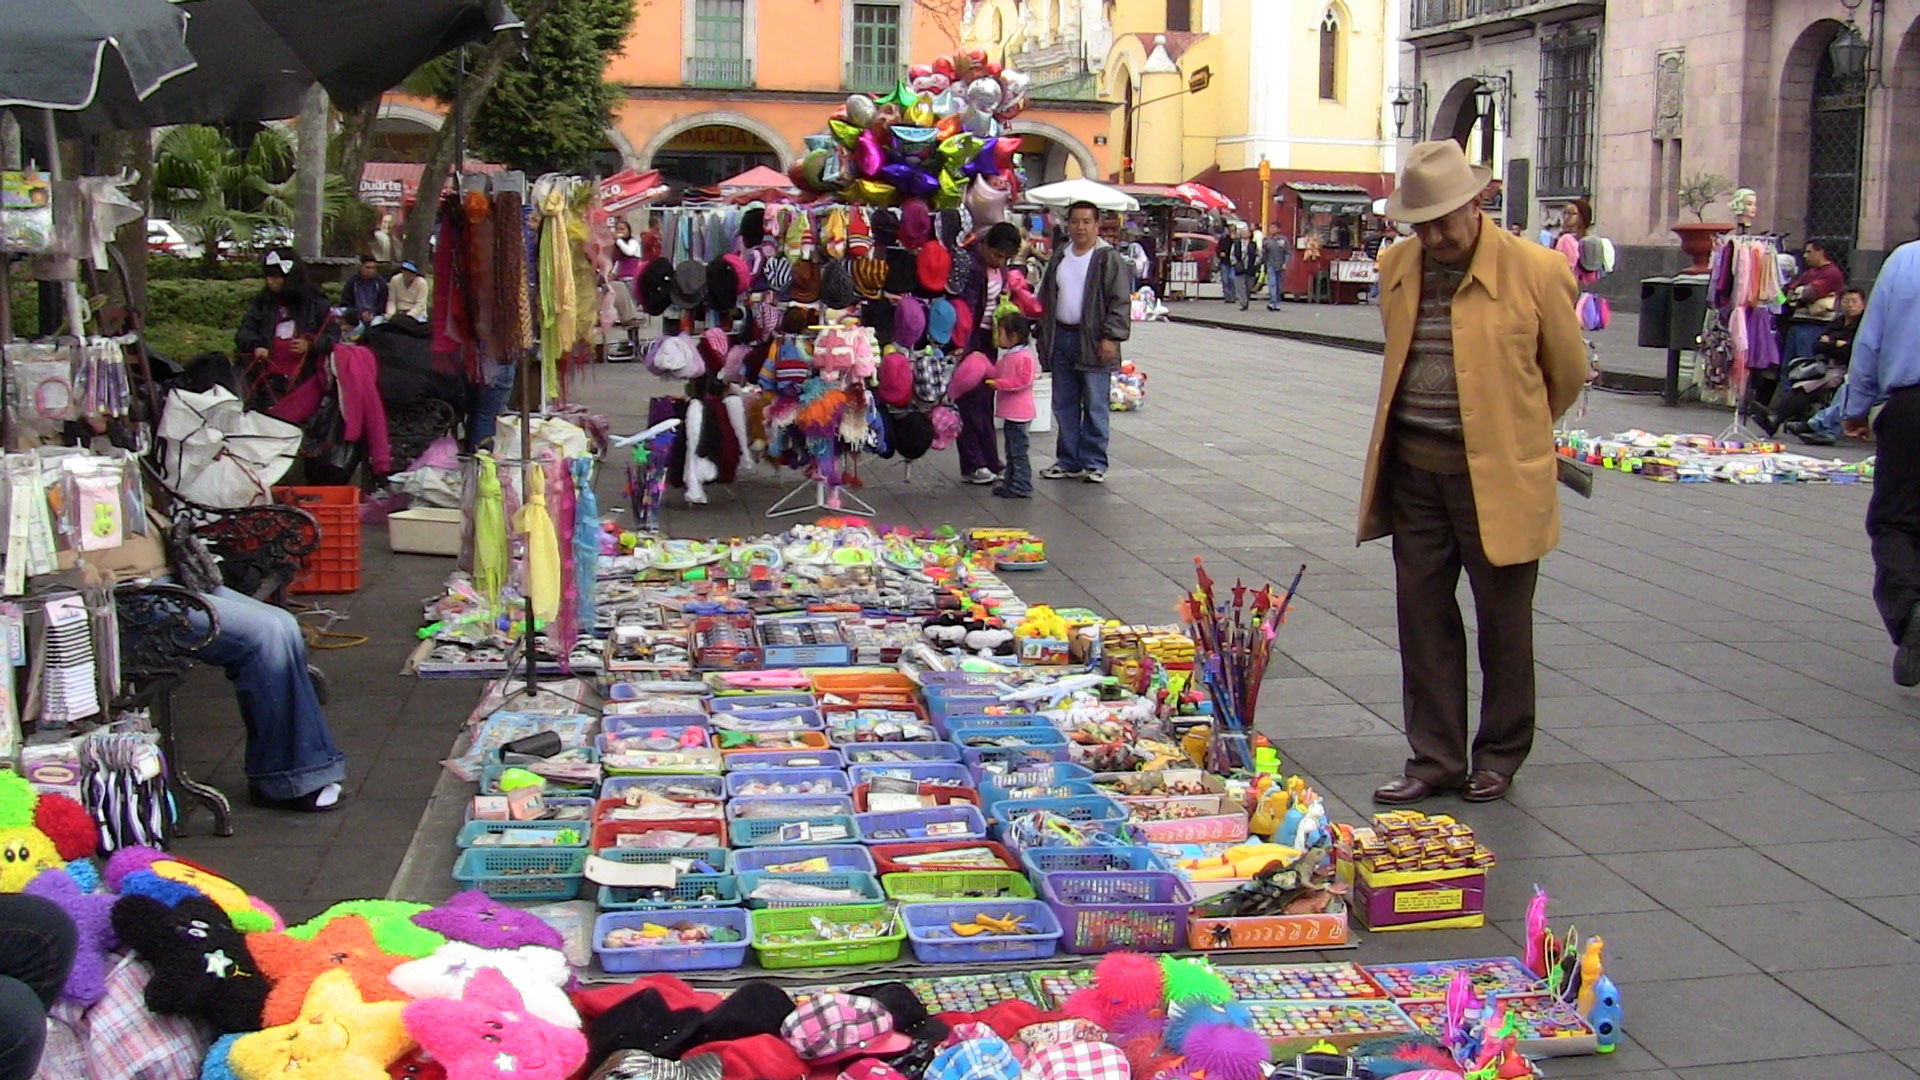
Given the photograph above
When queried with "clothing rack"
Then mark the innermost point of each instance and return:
(1745, 284)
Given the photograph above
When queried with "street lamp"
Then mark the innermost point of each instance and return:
(1407, 98)
(1400, 104)
(1494, 96)
(1848, 52)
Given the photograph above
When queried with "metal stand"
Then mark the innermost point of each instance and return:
(1739, 429)
(825, 497)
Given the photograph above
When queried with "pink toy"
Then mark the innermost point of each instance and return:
(489, 1033)
(1127, 990)
(1537, 932)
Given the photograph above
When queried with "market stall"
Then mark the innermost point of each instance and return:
(1329, 224)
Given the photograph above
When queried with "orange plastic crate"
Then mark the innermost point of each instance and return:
(335, 567)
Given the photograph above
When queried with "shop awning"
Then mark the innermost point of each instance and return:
(1156, 196)
(627, 190)
(1331, 198)
(760, 176)
(1203, 197)
(396, 184)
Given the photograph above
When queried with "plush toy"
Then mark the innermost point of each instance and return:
(1193, 980)
(39, 832)
(479, 919)
(92, 915)
(1225, 1052)
(490, 1031)
(149, 872)
(201, 966)
(291, 965)
(1127, 992)
(537, 975)
(336, 1035)
(417, 1065)
(216, 1066)
(988, 639)
(392, 921)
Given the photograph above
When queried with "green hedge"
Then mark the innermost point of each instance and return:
(173, 268)
(199, 303)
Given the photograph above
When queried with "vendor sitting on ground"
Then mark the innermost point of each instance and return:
(291, 761)
(1798, 398)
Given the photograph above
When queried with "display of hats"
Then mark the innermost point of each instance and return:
(902, 272)
(859, 235)
(946, 425)
(742, 273)
(878, 314)
(932, 265)
(689, 284)
(885, 222)
(766, 321)
(870, 275)
(896, 378)
(916, 224)
(909, 321)
(972, 371)
(779, 273)
(940, 322)
(806, 282)
(836, 285)
(833, 232)
(950, 227)
(753, 226)
(723, 285)
(656, 286)
(964, 321)
(912, 434)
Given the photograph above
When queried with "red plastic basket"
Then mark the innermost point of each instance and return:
(335, 567)
(885, 856)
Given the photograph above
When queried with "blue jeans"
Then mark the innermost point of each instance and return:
(1802, 337)
(489, 401)
(37, 942)
(1229, 283)
(1274, 274)
(1019, 470)
(1081, 409)
(1827, 420)
(289, 750)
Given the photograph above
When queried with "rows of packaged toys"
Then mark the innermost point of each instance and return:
(1701, 459)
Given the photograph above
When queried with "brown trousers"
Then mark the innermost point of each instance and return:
(1435, 533)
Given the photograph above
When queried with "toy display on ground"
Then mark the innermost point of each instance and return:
(1703, 459)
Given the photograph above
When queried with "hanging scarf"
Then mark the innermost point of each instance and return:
(489, 533)
(478, 208)
(586, 537)
(566, 628)
(452, 340)
(559, 305)
(542, 585)
(512, 316)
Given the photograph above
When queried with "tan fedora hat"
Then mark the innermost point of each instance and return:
(1436, 181)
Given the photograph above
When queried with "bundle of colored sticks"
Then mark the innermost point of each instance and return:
(1234, 642)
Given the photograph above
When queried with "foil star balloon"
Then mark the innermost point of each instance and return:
(902, 97)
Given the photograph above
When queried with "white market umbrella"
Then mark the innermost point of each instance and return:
(1068, 192)
(219, 454)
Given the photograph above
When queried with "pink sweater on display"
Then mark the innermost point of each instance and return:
(1013, 377)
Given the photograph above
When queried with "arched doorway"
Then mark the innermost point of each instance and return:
(1458, 118)
(1048, 154)
(1836, 140)
(708, 147)
(402, 132)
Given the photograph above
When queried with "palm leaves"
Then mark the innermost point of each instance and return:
(222, 195)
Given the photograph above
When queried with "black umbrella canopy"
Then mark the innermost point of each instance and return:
(258, 57)
(53, 52)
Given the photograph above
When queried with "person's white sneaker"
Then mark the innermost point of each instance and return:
(981, 476)
(1055, 472)
(1095, 476)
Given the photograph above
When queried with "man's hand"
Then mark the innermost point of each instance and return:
(300, 346)
(1109, 351)
(1857, 428)
(260, 353)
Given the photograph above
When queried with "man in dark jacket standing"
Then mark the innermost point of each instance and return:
(1085, 316)
(1244, 257)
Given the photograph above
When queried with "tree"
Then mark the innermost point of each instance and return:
(221, 195)
(549, 114)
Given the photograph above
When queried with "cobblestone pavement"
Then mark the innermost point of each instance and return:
(1722, 786)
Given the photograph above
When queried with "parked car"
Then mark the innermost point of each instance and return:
(165, 238)
(1198, 248)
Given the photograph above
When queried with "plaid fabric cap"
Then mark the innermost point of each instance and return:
(987, 1058)
(932, 371)
(1079, 1061)
(835, 1025)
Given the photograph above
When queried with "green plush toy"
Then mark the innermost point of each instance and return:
(392, 921)
(1195, 979)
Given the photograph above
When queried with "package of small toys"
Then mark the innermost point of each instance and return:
(1010, 549)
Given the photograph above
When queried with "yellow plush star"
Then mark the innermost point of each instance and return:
(338, 1036)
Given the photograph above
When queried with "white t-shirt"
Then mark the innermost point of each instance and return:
(996, 283)
(1070, 286)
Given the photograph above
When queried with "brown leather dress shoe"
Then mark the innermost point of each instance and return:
(1485, 785)
(1403, 791)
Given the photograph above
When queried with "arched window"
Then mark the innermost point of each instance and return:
(1330, 56)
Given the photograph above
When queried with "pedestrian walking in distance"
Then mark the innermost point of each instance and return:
(1483, 351)
(1086, 312)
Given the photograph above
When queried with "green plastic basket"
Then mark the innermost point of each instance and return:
(825, 953)
(921, 887)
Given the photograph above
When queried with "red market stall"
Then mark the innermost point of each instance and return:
(1329, 224)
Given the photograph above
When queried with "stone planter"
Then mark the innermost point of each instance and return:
(1696, 239)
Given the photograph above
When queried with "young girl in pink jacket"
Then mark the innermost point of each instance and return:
(1012, 382)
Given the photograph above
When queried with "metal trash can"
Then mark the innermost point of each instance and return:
(1686, 313)
(1656, 312)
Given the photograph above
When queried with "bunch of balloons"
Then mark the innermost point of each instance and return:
(938, 136)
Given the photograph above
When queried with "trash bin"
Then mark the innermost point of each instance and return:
(1687, 311)
(1656, 312)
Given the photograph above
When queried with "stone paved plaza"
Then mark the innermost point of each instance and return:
(1723, 786)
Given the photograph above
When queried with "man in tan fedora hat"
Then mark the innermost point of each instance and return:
(1483, 352)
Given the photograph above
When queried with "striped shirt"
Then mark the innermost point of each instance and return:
(1426, 409)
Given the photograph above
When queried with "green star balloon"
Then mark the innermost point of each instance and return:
(902, 98)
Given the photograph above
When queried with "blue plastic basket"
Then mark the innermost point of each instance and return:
(743, 760)
(490, 781)
(790, 808)
(828, 781)
(777, 718)
(934, 942)
(1065, 789)
(953, 725)
(912, 825)
(553, 801)
(1090, 860)
(606, 744)
(472, 831)
(866, 885)
(1041, 735)
(726, 703)
(895, 753)
(745, 832)
(523, 873)
(709, 787)
(673, 957)
(690, 891)
(1078, 808)
(622, 725)
(840, 857)
(720, 859)
(1044, 773)
(1014, 757)
(926, 772)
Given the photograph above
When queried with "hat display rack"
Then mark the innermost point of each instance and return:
(809, 296)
